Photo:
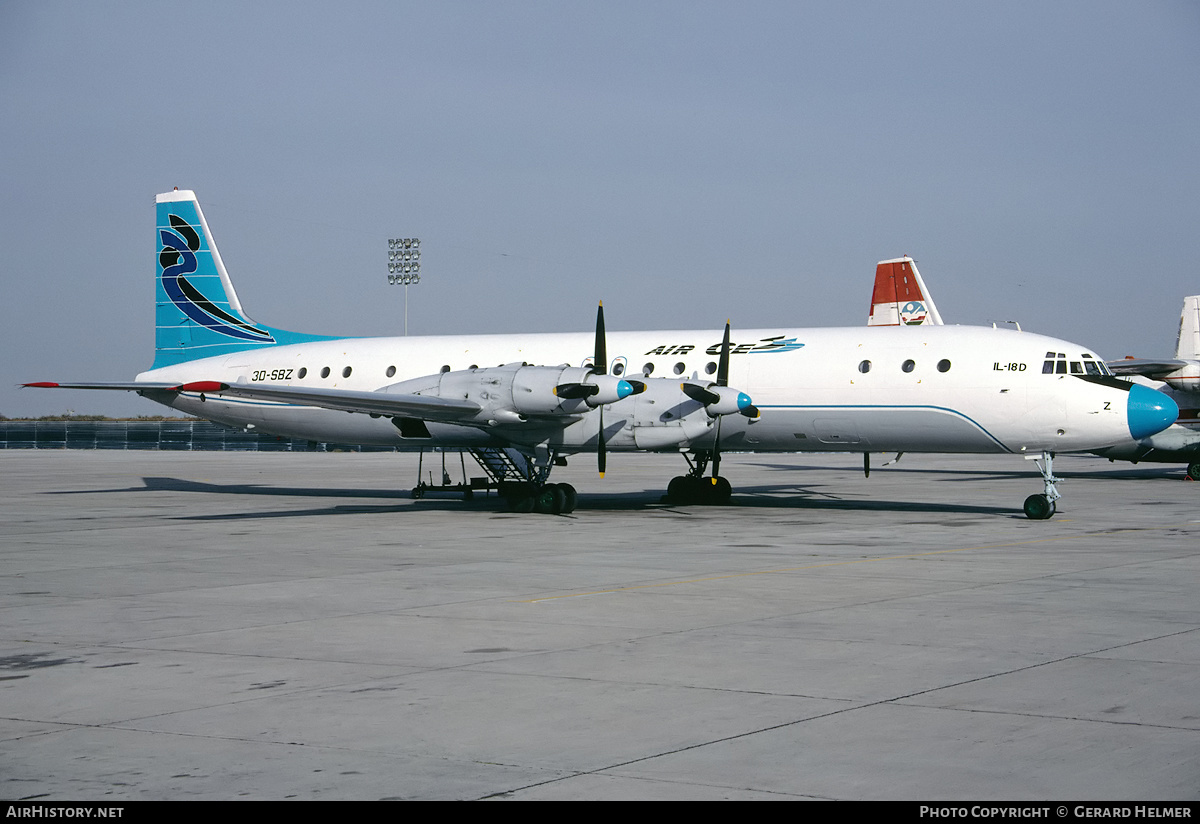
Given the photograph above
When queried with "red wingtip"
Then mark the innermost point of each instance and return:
(42, 385)
(202, 386)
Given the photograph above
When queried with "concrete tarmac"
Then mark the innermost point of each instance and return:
(295, 626)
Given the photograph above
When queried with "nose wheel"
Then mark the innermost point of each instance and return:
(1041, 507)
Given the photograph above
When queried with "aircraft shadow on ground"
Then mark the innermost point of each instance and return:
(1166, 472)
(764, 496)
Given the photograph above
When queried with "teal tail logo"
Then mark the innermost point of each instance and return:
(177, 257)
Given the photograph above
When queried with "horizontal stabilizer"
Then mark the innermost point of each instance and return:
(1146, 367)
(126, 387)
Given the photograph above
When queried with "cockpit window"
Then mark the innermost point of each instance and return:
(1056, 363)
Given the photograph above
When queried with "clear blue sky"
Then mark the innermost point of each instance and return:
(683, 161)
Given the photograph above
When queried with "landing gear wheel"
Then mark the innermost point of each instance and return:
(549, 500)
(719, 492)
(679, 490)
(1039, 507)
(570, 498)
(1194, 471)
(688, 490)
(521, 502)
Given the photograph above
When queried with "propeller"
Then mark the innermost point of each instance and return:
(600, 388)
(720, 400)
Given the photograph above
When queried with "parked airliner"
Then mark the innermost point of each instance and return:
(696, 392)
(1179, 378)
(900, 297)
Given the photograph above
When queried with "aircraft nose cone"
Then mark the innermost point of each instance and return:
(1149, 411)
(625, 389)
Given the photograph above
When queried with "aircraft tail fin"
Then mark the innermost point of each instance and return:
(1187, 345)
(900, 297)
(197, 312)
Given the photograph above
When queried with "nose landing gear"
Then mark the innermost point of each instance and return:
(1041, 507)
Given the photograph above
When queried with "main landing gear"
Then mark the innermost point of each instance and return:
(547, 499)
(693, 488)
(1041, 507)
(519, 478)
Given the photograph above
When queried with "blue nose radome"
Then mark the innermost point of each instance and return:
(1149, 411)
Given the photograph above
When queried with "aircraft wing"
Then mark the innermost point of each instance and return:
(1147, 367)
(379, 403)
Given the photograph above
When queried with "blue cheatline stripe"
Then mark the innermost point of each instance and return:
(954, 412)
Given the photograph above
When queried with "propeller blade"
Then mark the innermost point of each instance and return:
(574, 391)
(600, 362)
(699, 393)
(601, 450)
(716, 456)
(723, 363)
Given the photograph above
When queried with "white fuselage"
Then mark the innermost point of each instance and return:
(929, 388)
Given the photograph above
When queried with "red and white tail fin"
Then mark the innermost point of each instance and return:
(1187, 345)
(900, 297)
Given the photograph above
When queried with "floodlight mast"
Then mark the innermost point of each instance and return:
(404, 267)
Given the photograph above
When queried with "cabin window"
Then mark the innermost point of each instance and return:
(864, 367)
(303, 371)
(909, 365)
(445, 368)
(618, 369)
(391, 372)
(346, 372)
(943, 365)
(647, 370)
(678, 368)
(325, 372)
(710, 368)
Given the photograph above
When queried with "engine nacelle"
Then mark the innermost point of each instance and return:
(731, 401)
(507, 394)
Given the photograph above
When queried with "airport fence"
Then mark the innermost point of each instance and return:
(178, 435)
